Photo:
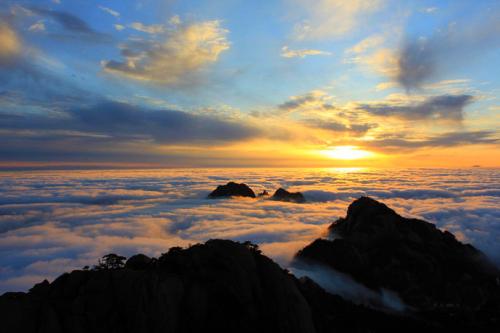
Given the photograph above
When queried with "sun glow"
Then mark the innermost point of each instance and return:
(347, 153)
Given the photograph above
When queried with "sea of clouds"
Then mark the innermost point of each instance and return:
(56, 221)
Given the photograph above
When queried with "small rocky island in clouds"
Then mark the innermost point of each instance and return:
(233, 189)
(226, 286)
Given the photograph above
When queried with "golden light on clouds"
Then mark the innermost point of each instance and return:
(347, 153)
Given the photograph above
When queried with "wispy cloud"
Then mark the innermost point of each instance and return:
(302, 53)
(150, 29)
(70, 23)
(331, 18)
(38, 26)
(314, 100)
(109, 11)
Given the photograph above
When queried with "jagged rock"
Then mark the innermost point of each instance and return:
(283, 195)
(264, 193)
(429, 268)
(232, 189)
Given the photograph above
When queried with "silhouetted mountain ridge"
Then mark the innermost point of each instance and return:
(427, 267)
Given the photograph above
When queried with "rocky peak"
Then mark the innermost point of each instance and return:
(232, 189)
(426, 266)
(283, 195)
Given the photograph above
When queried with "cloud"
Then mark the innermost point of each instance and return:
(109, 126)
(423, 59)
(38, 26)
(316, 99)
(326, 19)
(119, 27)
(10, 44)
(383, 61)
(444, 107)
(366, 44)
(71, 24)
(109, 11)
(287, 53)
(342, 284)
(450, 139)
(429, 10)
(150, 29)
(184, 52)
(338, 127)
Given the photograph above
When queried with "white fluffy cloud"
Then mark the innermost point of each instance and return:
(302, 53)
(184, 50)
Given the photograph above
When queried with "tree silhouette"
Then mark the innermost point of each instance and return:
(110, 261)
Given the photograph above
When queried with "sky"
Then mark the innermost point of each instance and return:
(165, 83)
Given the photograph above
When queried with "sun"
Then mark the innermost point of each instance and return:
(346, 153)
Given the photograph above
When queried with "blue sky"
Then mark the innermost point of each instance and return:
(414, 80)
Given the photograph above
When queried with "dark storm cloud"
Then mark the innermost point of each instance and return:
(446, 107)
(423, 59)
(444, 140)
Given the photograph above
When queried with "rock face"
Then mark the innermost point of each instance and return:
(232, 189)
(284, 195)
(429, 268)
(219, 286)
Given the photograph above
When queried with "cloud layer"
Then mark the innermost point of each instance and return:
(55, 221)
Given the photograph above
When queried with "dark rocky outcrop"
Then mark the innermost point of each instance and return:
(431, 271)
(232, 189)
(219, 286)
(283, 195)
(138, 262)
